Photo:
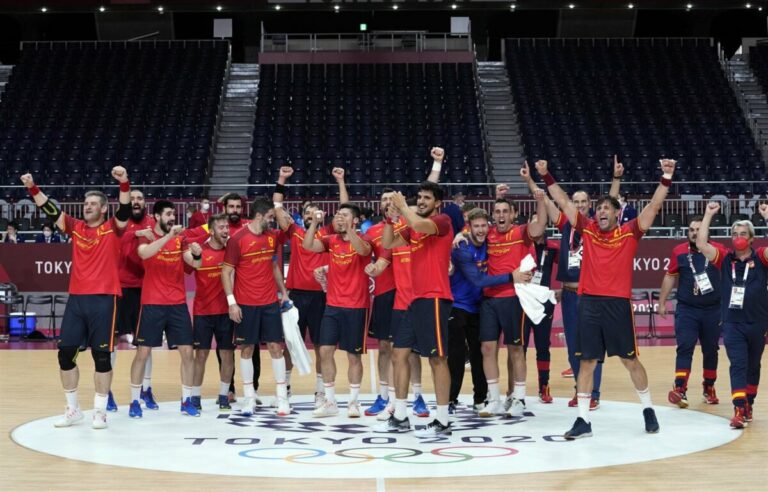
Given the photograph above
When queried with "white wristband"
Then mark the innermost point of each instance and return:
(278, 204)
(231, 300)
(667, 175)
(437, 166)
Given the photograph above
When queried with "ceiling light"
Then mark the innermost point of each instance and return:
(454, 6)
(160, 9)
(571, 6)
(749, 5)
(277, 7)
(336, 8)
(395, 7)
(102, 9)
(689, 6)
(512, 7)
(219, 8)
(631, 6)
(43, 9)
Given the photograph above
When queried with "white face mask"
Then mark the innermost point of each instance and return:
(189, 215)
(47, 233)
(205, 207)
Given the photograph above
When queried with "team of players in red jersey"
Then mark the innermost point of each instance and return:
(239, 277)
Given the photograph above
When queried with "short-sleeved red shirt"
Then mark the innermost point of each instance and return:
(386, 281)
(251, 255)
(131, 267)
(303, 262)
(505, 252)
(95, 257)
(430, 259)
(164, 273)
(347, 280)
(209, 292)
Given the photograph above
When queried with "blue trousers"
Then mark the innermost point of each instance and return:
(744, 344)
(694, 324)
(570, 309)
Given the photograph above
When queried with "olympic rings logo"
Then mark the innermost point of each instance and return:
(353, 456)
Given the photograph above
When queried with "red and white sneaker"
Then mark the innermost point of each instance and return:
(568, 373)
(544, 395)
(71, 415)
(748, 413)
(594, 404)
(710, 397)
(678, 397)
(739, 420)
(573, 402)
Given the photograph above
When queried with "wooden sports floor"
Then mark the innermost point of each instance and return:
(30, 389)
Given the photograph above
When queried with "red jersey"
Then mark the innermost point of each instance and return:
(95, 255)
(347, 280)
(430, 259)
(209, 292)
(386, 281)
(131, 267)
(606, 267)
(301, 269)
(164, 273)
(251, 255)
(200, 234)
(505, 252)
(401, 268)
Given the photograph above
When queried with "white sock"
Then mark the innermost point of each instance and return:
(135, 392)
(416, 390)
(100, 402)
(442, 414)
(330, 391)
(223, 388)
(71, 396)
(493, 390)
(401, 409)
(186, 392)
(645, 397)
(518, 393)
(278, 369)
(147, 373)
(246, 373)
(319, 388)
(196, 390)
(282, 391)
(391, 392)
(354, 391)
(583, 400)
(383, 390)
(113, 358)
(288, 376)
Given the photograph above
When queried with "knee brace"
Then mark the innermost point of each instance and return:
(102, 361)
(68, 358)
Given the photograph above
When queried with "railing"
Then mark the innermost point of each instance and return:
(673, 41)
(153, 43)
(376, 41)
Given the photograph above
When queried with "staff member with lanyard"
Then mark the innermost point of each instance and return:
(744, 309)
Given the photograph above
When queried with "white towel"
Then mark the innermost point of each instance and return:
(294, 342)
(533, 297)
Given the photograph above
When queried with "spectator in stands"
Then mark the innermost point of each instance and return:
(366, 219)
(11, 234)
(48, 235)
(627, 212)
(199, 215)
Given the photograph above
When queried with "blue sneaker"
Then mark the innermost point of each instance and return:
(580, 429)
(149, 399)
(135, 410)
(378, 406)
(420, 407)
(111, 405)
(188, 408)
(196, 402)
(223, 402)
(452, 407)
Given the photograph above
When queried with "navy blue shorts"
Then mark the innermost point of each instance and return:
(154, 319)
(311, 305)
(400, 321)
(89, 320)
(345, 327)
(128, 307)
(606, 324)
(502, 315)
(381, 319)
(259, 324)
(209, 326)
(427, 331)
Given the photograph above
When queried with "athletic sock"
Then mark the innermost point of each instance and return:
(354, 392)
(135, 392)
(196, 390)
(246, 371)
(645, 397)
(518, 393)
(383, 390)
(401, 409)
(584, 399)
(416, 390)
(100, 402)
(319, 388)
(494, 393)
(330, 391)
(278, 369)
(71, 396)
(186, 392)
(223, 388)
(442, 414)
(282, 391)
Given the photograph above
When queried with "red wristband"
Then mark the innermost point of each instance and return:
(388, 220)
(125, 187)
(33, 190)
(549, 180)
(665, 182)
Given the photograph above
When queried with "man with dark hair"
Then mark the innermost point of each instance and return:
(348, 300)
(697, 316)
(48, 235)
(164, 303)
(94, 287)
(606, 322)
(11, 233)
(627, 211)
(743, 308)
(251, 256)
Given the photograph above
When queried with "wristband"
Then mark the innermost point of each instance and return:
(389, 221)
(616, 177)
(280, 188)
(437, 166)
(665, 181)
(278, 204)
(549, 180)
(231, 300)
(125, 187)
(197, 257)
(33, 190)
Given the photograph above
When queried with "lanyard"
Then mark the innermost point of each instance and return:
(621, 213)
(690, 261)
(733, 271)
(570, 242)
(543, 258)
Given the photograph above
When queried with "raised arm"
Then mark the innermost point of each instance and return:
(537, 227)
(310, 242)
(338, 173)
(149, 250)
(124, 210)
(43, 203)
(281, 215)
(525, 173)
(618, 172)
(360, 245)
(414, 220)
(438, 156)
(558, 195)
(702, 238)
(645, 219)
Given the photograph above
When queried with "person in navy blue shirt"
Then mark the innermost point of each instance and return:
(743, 309)
(48, 235)
(697, 316)
(469, 277)
(627, 212)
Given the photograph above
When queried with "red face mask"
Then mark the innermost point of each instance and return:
(740, 243)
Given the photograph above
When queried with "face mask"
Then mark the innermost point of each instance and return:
(205, 207)
(189, 215)
(47, 233)
(740, 243)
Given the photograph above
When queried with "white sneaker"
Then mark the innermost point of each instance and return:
(71, 415)
(508, 403)
(353, 410)
(517, 408)
(388, 411)
(319, 399)
(492, 409)
(478, 407)
(248, 407)
(283, 407)
(329, 409)
(256, 400)
(99, 419)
